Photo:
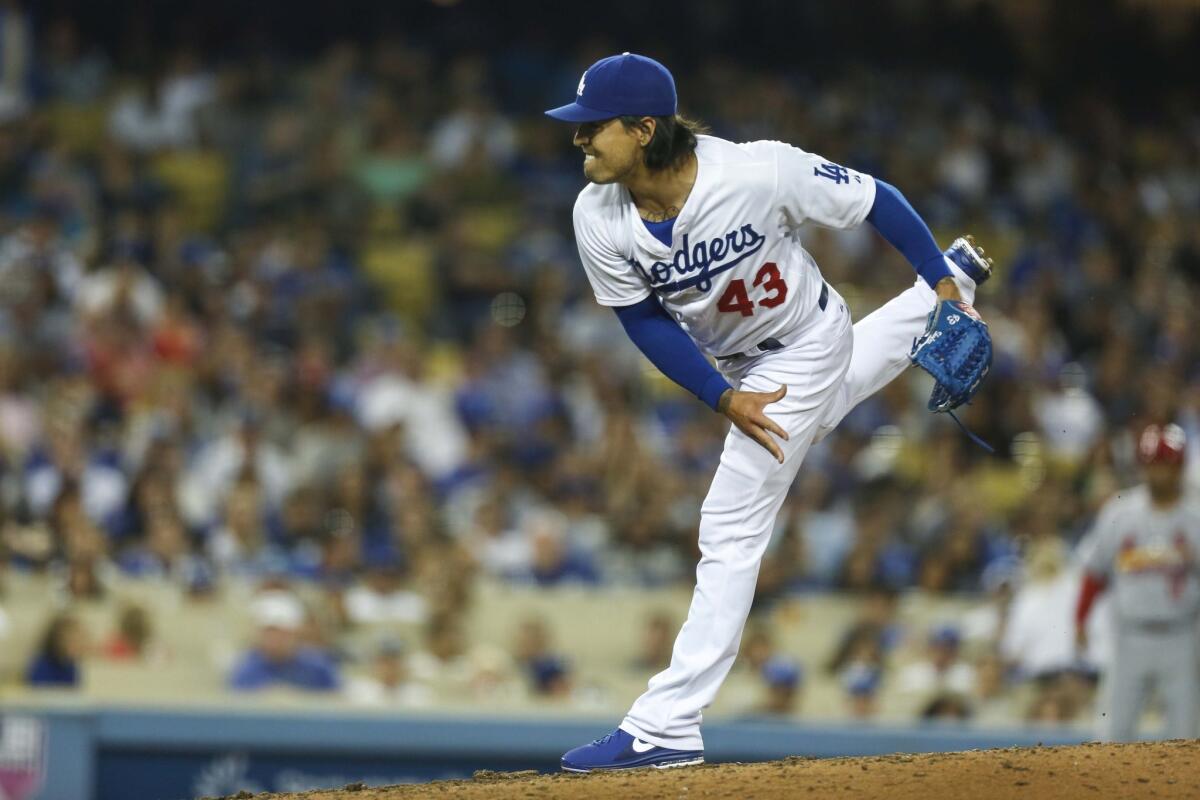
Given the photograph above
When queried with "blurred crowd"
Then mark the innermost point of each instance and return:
(321, 322)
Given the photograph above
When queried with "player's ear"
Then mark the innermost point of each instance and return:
(646, 127)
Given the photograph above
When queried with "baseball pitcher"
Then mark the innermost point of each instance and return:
(695, 242)
(1144, 547)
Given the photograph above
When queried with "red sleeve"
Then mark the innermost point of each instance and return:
(1088, 591)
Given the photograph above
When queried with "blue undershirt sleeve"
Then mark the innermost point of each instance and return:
(904, 229)
(671, 350)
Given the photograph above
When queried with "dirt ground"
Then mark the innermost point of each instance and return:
(1093, 771)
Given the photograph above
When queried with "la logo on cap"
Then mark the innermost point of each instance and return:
(583, 79)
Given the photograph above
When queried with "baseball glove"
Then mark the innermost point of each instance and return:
(956, 349)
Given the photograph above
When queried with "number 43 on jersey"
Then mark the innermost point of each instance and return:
(737, 299)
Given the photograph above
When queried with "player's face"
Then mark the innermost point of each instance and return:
(610, 152)
(1164, 479)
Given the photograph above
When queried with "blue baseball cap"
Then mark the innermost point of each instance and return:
(618, 86)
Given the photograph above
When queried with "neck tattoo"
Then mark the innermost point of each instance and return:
(669, 212)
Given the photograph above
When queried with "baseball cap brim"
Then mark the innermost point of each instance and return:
(573, 112)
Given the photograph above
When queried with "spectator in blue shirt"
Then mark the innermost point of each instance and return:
(279, 659)
(783, 679)
(553, 561)
(56, 664)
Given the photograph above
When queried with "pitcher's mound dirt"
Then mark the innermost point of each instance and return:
(1092, 771)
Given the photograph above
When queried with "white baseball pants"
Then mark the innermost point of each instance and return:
(1164, 662)
(831, 369)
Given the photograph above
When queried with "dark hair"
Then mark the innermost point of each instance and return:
(674, 138)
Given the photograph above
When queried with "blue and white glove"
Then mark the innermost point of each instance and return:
(956, 349)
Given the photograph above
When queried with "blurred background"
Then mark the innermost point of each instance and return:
(319, 463)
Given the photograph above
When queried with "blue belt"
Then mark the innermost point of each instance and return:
(771, 343)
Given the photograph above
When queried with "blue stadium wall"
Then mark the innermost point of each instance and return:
(99, 753)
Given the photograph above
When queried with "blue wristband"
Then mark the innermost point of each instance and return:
(713, 388)
(934, 270)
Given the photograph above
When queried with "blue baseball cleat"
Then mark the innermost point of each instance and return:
(620, 750)
(970, 258)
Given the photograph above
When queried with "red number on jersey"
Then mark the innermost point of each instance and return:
(736, 299)
(773, 282)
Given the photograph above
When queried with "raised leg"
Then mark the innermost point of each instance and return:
(882, 341)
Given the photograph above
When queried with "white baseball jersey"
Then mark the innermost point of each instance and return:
(1149, 555)
(735, 273)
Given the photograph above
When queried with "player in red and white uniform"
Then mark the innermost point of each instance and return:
(1145, 550)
